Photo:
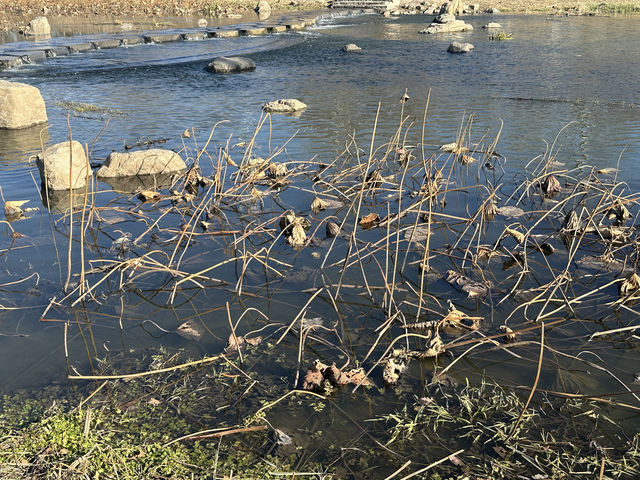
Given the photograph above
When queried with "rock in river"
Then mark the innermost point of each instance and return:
(61, 161)
(457, 47)
(231, 65)
(38, 27)
(21, 105)
(142, 162)
(286, 105)
(351, 47)
(454, 26)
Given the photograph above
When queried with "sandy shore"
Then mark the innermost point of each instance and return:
(15, 13)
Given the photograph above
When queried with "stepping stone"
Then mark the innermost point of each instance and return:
(253, 31)
(56, 51)
(132, 40)
(189, 37)
(106, 43)
(79, 47)
(226, 33)
(277, 29)
(161, 38)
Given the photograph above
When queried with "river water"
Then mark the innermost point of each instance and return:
(572, 80)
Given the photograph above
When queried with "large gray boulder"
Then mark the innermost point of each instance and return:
(231, 65)
(21, 105)
(263, 9)
(141, 162)
(63, 166)
(452, 7)
(286, 105)
(38, 27)
(457, 47)
(444, 18)
(455, 26)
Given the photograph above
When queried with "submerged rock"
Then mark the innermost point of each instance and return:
(142, 162)
(231, 65)
(492, 25)
(457, 47)
(21, 105)
(351, 47)
(38, 27)
(286, 105)
(63, 166)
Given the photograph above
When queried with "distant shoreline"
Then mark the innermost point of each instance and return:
(17, 13)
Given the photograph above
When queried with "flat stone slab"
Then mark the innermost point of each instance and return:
(28, 56)
(458, 47)
(225, 33)
(190, 37)
(253, 31)
(79, 47)
(295, 26)
(231, 65)
(107, 43)
(161, 37)
(277, 29)
(56, 51)
(132, 40)
(7, 61)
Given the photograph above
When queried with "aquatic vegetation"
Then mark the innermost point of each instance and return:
(89, 110)
(500, 36)
(385, 277)
(614, 8)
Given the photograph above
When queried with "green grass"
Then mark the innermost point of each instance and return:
(500, 36)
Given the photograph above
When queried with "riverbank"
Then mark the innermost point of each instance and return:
(15, 14)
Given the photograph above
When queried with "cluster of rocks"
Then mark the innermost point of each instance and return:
(413, 7)
(446, 22)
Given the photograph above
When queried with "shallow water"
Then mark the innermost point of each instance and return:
(572, 81)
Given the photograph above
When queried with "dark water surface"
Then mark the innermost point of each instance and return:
(575, 78)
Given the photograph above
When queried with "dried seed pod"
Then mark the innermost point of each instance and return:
(629, 285)
(374, 179)
(318, 205)
(515, 234)
(489, 210)
(466, 159)
(618, 212)
(298, 237)
(571, 222)
(277, 170)
(509, 335)
(550, 185)
(333, 229)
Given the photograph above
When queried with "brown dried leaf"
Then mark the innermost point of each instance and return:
(434, 348)
(606, 171)
(235, 343)
(149, 195)
(189, 330)
(455, 319)
(186, 133)
(277, 170)
(454, 148)
(394, 367)
(466, 159)
(370, 221)
(473, 289)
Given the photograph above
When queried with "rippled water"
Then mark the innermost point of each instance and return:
(573, 78)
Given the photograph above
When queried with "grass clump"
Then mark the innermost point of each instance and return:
(500, 36)
(89, 110)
